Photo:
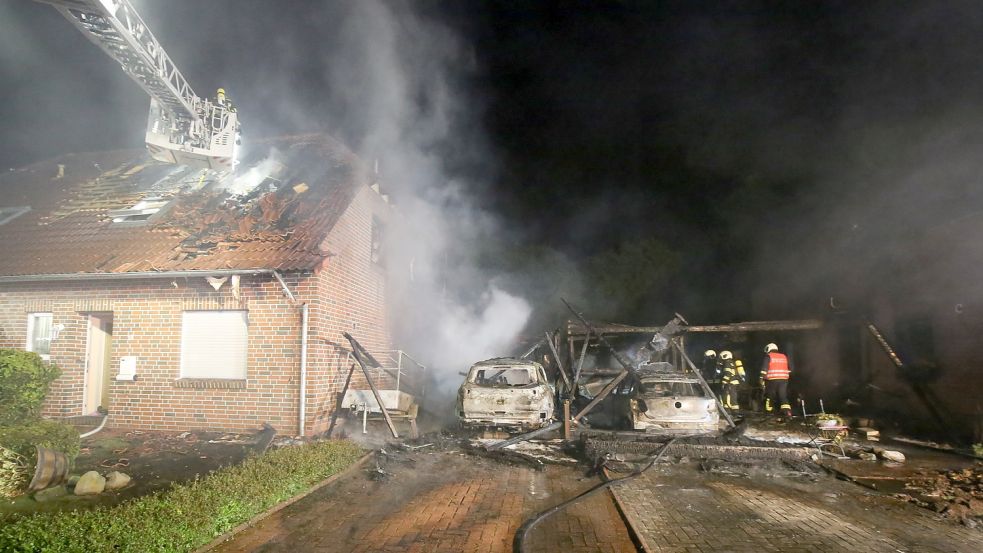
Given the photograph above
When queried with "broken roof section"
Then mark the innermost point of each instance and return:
(120, 212)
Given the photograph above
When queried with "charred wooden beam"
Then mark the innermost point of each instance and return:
(583, 354)
(575, 328)
(601, 395)
(629, 369)
(706, 387)
(359, 351)
(593, 330)
(532, 349)
(339, 406)
(550, 339)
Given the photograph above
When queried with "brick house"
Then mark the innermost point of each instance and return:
(178, 298)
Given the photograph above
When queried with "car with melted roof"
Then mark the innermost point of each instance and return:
(507, 393)
(668, 401)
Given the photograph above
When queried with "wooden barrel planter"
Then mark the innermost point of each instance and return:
(51, 469)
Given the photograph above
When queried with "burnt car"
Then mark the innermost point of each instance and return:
(669, 401)
(506, 393)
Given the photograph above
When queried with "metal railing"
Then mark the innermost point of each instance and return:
(400, 368)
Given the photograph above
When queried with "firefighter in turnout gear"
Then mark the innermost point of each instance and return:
(711, 370)
(732, 379)
(775, 372)
(709, 367)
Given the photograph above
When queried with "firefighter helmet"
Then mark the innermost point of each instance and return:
(709, 353)
(726, 355)
(771, 347)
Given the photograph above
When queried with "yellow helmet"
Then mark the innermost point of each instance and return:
(220, 91)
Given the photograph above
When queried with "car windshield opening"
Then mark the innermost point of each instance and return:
(652, 388)
(504, 377)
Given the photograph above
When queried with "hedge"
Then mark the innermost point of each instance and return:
(45, 433)
(24, 381)
(186, 516)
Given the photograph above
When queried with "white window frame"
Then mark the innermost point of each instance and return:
(31, 319)
(202, 364)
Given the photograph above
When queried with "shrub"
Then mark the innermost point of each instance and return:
(24, 381)
(14, 473)
(187, 515)
(55, 435)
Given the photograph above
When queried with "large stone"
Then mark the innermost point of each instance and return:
(865, 456)
(50, 494)
(116, 480)
(90, 483)
(893, 456)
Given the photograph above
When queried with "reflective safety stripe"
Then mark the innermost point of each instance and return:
(785, 406)
(777, 366)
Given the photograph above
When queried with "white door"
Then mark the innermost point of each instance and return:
(97, 362)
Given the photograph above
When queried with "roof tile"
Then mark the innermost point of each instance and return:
(204, 226)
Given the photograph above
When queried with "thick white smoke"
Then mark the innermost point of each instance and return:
(247, 181)
(404, 71)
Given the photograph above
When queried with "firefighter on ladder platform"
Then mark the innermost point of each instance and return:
(733, 378)
(775, 371)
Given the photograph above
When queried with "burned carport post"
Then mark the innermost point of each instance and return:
(628, 369)
(551, 339)
(362, 357)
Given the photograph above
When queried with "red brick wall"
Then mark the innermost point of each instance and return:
(147, 323)
(346, 293)
(352, 300)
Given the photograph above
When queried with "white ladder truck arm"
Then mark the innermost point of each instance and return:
(182, 127)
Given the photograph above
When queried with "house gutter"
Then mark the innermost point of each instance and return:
(135, 275)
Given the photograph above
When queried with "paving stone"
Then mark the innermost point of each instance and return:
(743, 515)
(445, 503)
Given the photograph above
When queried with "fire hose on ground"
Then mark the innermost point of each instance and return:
(523, 531)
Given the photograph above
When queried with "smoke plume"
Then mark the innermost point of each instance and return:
(412, 73)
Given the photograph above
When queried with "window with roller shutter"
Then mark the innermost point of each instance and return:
(214, 344)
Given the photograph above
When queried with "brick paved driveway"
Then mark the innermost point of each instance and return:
(676, 509)
(443, 501)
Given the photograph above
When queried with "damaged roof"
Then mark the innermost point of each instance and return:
(120, 212)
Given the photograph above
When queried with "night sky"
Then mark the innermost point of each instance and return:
(757, 142)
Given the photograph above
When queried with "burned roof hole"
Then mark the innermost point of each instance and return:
(138, 212)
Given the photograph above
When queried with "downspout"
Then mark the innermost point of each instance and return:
(304, 312)
(98, 428)
(304, 323)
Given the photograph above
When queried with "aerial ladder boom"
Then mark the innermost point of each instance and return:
(181, 127)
